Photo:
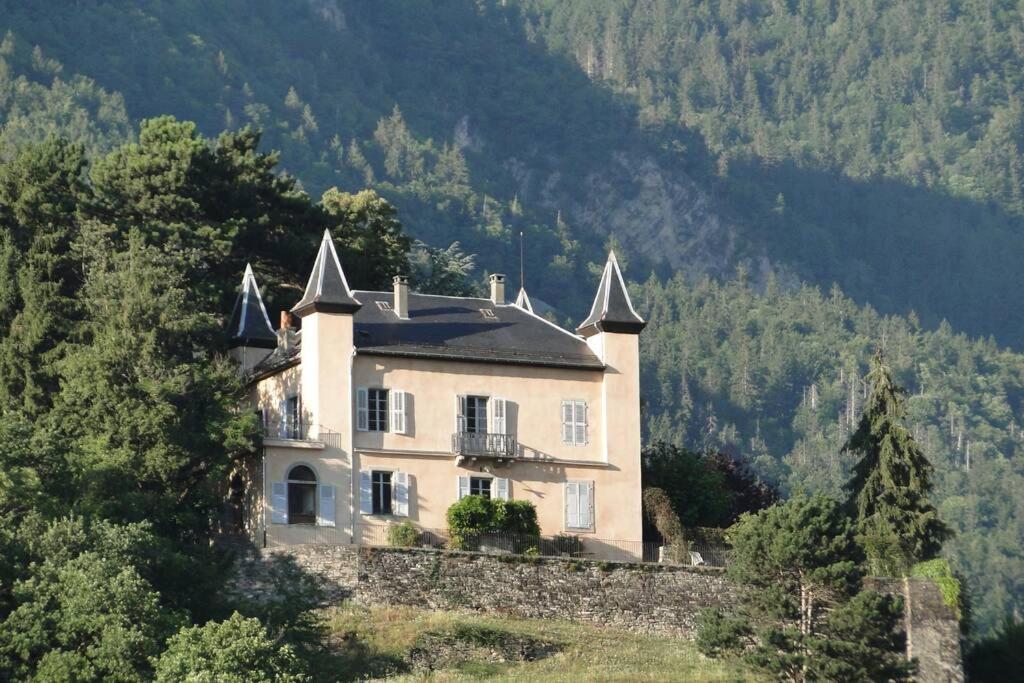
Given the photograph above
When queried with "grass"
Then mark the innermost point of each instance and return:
(408, 644)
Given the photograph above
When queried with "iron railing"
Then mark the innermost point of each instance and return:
(481, 444)
(562, 545)
(299, 431)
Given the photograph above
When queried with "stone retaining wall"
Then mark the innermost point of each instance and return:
(647, 598)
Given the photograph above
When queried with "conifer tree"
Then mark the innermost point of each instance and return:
(888, 492)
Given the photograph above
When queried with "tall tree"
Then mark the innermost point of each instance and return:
(40, 192)
(802, 614)
(888, 493)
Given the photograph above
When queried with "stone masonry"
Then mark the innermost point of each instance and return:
(646, 598)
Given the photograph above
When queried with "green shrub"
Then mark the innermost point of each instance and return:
(517, 517)
(237, 649)
(474, 516)
(658, 507)
(403, 535)
(938, 570)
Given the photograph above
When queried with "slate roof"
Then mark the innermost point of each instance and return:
(612, 310)
(250, 325)
(455, 328)
(327, 289)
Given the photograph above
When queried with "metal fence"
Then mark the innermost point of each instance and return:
(697, 553)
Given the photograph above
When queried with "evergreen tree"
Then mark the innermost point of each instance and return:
(803, 615)
(40, 192)
(888, 492)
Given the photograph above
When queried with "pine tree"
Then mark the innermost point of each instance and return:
(888, 492)
(802, 614)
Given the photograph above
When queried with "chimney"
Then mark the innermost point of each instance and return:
(401, 305)
(284, 331)
(497, 289)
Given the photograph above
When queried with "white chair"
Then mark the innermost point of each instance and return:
(695, 559)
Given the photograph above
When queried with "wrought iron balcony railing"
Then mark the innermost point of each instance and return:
(482, 445)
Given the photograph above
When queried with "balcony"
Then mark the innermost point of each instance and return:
(297, 434)
(474, 445)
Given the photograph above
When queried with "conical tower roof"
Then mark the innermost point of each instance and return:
(250, 325)
(523, 300)
(612, 310)
(327, 290)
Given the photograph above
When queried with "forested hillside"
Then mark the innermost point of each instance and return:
(832, 142)
(872, 144)
(778, 378)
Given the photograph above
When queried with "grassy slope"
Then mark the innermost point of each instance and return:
(378, 642)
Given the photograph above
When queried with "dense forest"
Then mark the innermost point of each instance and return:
(830, 142)
(876, 145)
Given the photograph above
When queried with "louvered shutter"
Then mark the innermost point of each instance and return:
(397, 411)
(567, 414)
(499, 419)
(572, 505)
(580, 423)
(400, 494)
(282, 429)
(325, 511)
(586, 516)
(460, 414)
(366, 492)
(501, 489)
(279, 502)
(362, 410)
(463, 487)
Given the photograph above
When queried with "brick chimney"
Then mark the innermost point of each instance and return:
(401, 304)
(497, 281)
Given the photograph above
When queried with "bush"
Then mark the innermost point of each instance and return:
(659, 510)
(403, 535)
(474, 516)
(238, 649)
(938, 570)
(518, 517)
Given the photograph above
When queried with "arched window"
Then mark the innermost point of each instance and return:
(301, 495)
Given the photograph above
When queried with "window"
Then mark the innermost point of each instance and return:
(381, 482)
(488, 314)
(384, 305)
(488, 487)
(377, 416)
(480, 486)
(574, 423)
(579, 505)
(476, 414)
(371, 410)
(301, 495)
(291, 419)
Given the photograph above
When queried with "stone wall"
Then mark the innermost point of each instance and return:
(647, 598)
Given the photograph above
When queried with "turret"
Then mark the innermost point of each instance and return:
(612, 331)
(251, 336)
(327, 309)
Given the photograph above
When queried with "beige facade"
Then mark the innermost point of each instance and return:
(384, 437)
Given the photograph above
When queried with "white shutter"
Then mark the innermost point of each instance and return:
(362, 410)
(282, 429)
(366, 492)
(278, 502)
(325, 511)
(463, 487)
(586, 489)
(499, 419)
(580, 423)
(501, 488)
(400, 494)
(460, 414)
(567, 414)
(572, 505)
(397, 399)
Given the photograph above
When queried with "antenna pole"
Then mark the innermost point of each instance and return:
(522, 263)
